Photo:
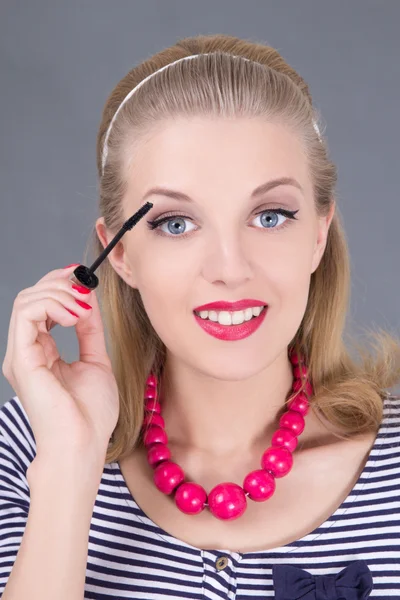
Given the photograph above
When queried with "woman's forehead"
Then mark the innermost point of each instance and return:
(218, 153)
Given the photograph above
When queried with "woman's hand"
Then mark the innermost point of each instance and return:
(70, 406)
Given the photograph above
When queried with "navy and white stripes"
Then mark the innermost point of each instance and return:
(129, 556)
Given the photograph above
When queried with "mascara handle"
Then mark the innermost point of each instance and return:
(84, 276)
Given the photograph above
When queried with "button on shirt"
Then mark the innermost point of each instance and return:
(222, 562)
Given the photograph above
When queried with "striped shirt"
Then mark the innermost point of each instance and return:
(130, 556)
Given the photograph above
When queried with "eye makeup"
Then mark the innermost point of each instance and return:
(164, 218)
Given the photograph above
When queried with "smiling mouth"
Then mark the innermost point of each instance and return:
(231, 318)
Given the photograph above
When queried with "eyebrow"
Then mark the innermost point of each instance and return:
(259, 191)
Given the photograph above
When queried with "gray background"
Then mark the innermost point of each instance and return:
(60, 60)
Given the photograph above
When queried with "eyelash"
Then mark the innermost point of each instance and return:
(156, 223)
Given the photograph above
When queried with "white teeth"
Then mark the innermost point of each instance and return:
(225, 317)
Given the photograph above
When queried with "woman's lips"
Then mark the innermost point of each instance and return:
(231, 332)
(231, 306)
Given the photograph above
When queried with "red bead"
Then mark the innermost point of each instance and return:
(299, 403)
(190, 498)
(286, 438)
(260, 485)
(296, 359)
(155, 435)
(292, 420)
(227, 501)
(153, 405)
(167, 476)
(298, 370)
(151, 392)
(158, 452)
(153, 419)
(151, 380)
(278, 460)
(308, 387)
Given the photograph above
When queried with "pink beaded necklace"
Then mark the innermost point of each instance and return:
(226, 501)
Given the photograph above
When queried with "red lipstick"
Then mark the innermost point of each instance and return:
(222, 305)
(231, 332)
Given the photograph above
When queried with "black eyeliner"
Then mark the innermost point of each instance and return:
(282, 211)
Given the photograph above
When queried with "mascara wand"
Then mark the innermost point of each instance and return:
(85, 275)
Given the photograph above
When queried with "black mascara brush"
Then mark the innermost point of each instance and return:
(85, 275)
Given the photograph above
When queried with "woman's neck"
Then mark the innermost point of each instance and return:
(222, 418)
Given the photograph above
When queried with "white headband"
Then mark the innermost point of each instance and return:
(105, 148)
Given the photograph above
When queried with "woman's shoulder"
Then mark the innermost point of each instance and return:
(391, 404)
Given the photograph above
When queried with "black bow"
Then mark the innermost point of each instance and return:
(354, 582)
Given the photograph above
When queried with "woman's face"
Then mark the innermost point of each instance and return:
(223, 244)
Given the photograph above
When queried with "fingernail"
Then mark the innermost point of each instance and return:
(83, 304)
(82, 289)
(72, 313)
(73, 265)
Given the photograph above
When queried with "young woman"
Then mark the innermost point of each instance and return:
(226, 444)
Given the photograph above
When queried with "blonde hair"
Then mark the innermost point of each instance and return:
(348, 394)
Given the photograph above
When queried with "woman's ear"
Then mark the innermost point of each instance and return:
(117, 257)
(323, 230)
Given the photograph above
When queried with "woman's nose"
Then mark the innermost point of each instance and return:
(228, 262)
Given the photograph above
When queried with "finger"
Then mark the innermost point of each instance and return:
(65, 273)
(56, 273)
(60, 290)
(91, 337)
(51, 275)
(28, 353)
(50, 348)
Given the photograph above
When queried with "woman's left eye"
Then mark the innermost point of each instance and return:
(267, 217)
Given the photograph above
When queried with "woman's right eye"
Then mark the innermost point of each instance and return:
(175, 225)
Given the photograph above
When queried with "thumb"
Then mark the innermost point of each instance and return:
(91, 337)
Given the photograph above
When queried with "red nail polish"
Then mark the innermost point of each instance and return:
(83, 304)
(81, 288)
(73, 265)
